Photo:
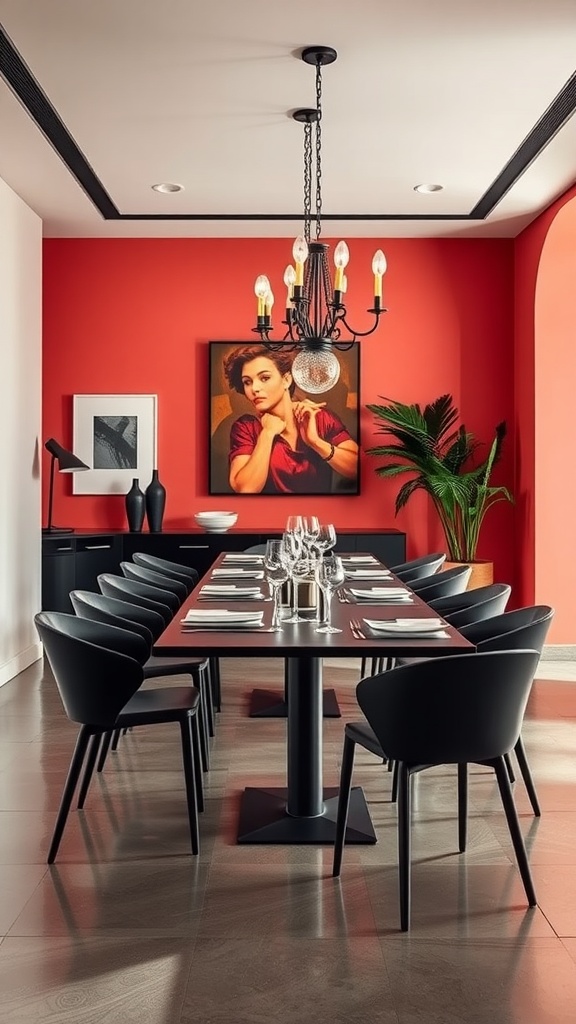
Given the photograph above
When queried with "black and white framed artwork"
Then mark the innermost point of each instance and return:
(115, 435)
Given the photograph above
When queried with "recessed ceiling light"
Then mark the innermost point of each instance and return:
(168, 186)
(426, 188)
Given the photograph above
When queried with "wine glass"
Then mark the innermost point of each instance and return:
(311, 529)
(276, 572)
(329, 576)
(295, 526)
(325, 538)
(292, 553)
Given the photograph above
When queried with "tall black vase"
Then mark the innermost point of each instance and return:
(135, 507)
(155, 503)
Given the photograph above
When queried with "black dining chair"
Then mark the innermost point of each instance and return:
(418, 568)
(458, 710)
(181, 574)
(443, 584)
(521, 628)
(150, 625)
(473, 605)
(256, 549)
(99, 675)
(185, 574)
(161, 601)
(154, 579)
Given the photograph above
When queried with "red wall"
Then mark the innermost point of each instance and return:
(134, 316)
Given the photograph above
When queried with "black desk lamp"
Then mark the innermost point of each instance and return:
(67, 463)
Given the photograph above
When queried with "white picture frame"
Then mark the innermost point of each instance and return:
(116, 436)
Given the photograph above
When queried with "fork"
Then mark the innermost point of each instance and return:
(356, 628)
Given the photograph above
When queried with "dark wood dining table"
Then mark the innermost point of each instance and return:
(303, 811)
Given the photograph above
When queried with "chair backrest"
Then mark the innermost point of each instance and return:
(523, 627)
(182, 573)
(482, 602)
(467, 707)
(139, 593)
(154, 579)
(109, 610)
(443, 584)
(256, 549)
(94, 681)
(419, 568)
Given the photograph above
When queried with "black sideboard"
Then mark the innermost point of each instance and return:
(74, 561)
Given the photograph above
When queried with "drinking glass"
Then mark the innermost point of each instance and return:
(276, 572)
(325, 538)
(292, 553)
(295, 526)
(329, 576)
(311, 529)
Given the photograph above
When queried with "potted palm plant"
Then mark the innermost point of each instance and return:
(439, 456)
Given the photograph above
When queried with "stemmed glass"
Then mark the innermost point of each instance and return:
(325, 539)
(329, 576)
(276, 572)
(311, 529)
(292, 554)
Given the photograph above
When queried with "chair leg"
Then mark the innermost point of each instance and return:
(68, 791)
(206, 686)
(527, 776)
(197, 763)
(343, 802)
(509, 768)
(188, 762)
(363, 666)
(89, 769)
(214, 669)
(394, 793)
(462, 806)
(104, 748)
(514, 827)
(116, 738)
(404, 844)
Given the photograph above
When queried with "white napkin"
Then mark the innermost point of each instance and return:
(361, 559)
(228, 588)
(243, 556)
(408, 627)
(367, 574)
(392, 595)
(221, 617)
(233, 574)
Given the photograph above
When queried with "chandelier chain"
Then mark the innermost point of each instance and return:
(307, 179)
(318, 149)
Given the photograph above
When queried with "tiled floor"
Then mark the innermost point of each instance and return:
(128, 927)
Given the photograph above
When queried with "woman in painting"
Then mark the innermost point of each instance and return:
(283, 446)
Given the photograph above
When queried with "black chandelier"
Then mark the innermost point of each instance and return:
(315, 309)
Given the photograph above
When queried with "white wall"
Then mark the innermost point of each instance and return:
(20, 426)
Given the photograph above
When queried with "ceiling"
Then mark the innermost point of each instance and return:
(478, 97)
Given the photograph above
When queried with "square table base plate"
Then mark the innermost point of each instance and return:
(263, 819)
(271, 704)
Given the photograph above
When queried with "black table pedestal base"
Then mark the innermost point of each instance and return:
(270, 704)
(263, 819)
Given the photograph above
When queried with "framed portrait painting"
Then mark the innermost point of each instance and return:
(115, 435)
(270, 436)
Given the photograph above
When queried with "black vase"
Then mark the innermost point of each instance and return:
(155, 503)
(135, 507)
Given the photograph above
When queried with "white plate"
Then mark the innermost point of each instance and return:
(381, 593)
(237, 574)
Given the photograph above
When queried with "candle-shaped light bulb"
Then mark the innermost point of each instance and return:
(269, 302)
(289, 281)
(378, 269)
(261, 289)
(341, 257)
(300, 254)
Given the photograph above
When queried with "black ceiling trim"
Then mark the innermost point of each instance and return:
(20, 79)
(552, 120)
(18, 76)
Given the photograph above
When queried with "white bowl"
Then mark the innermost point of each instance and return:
(215, 522)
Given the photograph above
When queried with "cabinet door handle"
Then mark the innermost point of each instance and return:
(192, 547)
(64, 549)
(97, 547)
